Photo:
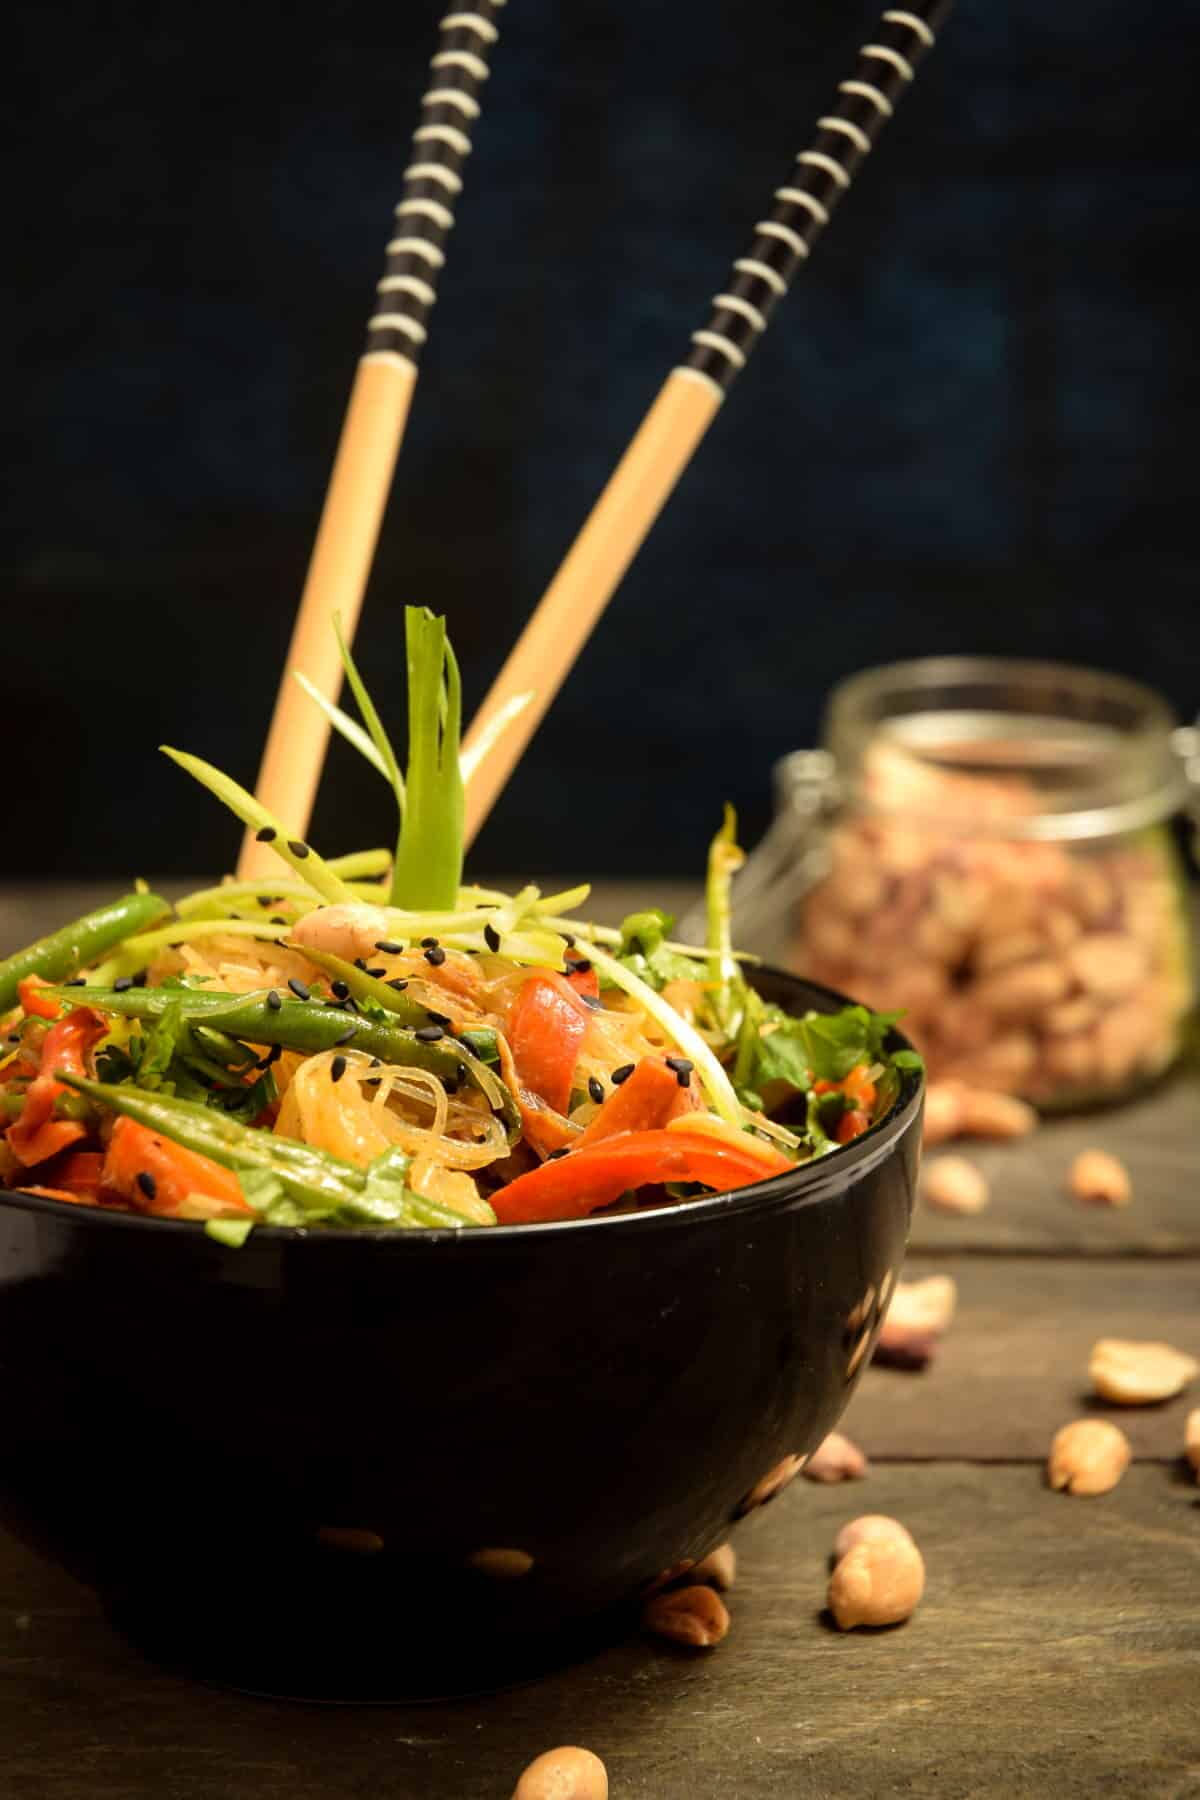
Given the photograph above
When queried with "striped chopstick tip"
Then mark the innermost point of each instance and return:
(469, 21)
(915, 25)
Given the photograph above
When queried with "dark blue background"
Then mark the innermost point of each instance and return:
(971, 428)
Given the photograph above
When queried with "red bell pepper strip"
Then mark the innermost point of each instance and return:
(542, 1128)
(37, 1135)
(583, 978)
(852, 1124)
(158, 1176)
(649, 1099)
(545, 1031)
(34, 1003)
(855, 1086)
(79, 1173)
(597, 1174)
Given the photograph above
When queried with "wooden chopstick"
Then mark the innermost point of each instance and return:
(375, 420)
(689, 398)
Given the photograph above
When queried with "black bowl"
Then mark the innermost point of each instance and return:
(381, 1465)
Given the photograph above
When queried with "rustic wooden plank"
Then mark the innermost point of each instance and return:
(1013, 1366)
(1030, 1210)
(1057, 1651)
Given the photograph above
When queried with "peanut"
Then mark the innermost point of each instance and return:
(1106, 963)
(1099, 1178)
(878, 1582)
(943, 1111)
(1088, 1457)
(988, 1114)
(1138, 1374)
(869, 1529)
(1191, 1440)
(568, 1773)
(836, 1459)
(694, 1616)
(926, 1305)
(952, 1184)
(1023, 988)
(718, 1568)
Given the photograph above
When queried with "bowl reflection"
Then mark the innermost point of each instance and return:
(354, 1465)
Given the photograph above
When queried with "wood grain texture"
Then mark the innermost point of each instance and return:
(1013, 1366)
(1057, 1651)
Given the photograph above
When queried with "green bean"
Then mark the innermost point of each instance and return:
(65, 952)
(368, 987)
(309, 1027)
(321, 1183)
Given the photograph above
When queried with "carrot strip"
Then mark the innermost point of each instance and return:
(158, 1176)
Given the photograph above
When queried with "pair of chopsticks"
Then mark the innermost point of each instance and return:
(643, 480)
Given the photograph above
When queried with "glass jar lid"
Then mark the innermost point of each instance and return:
(1003, 747)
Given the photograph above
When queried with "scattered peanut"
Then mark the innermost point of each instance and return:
(1099, 1178)
(695, 1616)
(1133, 1374)
(718, 1568)
(943, 1111)
(986, 1113)
(565, 1774)
(1088, 1456)
(919, 1313)
(952, 1184)
(926, 1305)
(836, 1459)
(879, 1581)
(871, 1528)
(1191, 1440)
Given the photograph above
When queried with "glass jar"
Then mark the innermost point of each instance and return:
(987, 845)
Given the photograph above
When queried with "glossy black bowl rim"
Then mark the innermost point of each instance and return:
(808, 1183)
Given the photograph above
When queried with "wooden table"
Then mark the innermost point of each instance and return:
(1057, 1651)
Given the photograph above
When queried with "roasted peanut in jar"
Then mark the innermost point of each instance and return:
(1001, 869)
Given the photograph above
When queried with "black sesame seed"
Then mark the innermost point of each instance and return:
(429, 1034)
(580, 966)
(298, 988)
(684, 1077)
(591, 1000)
(339, 990)
(337, 1068)
(376, 1062)
(79, 981)
(274, 1001)
(428, 943)
(265, 900)
(622, 1074)
(277, 919)
(398, 984)
(595, 1089)
(435, 955)
(491, 937)
(373, 1081)
(360, 964)
(451, 1085)
(122, 984)
(266, 834)
(139, 979)
(388, 948)
(350, 1031)
(436, 1018)
(376, 974)
(297, 848)
(147, 1183)
(682, 1065)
